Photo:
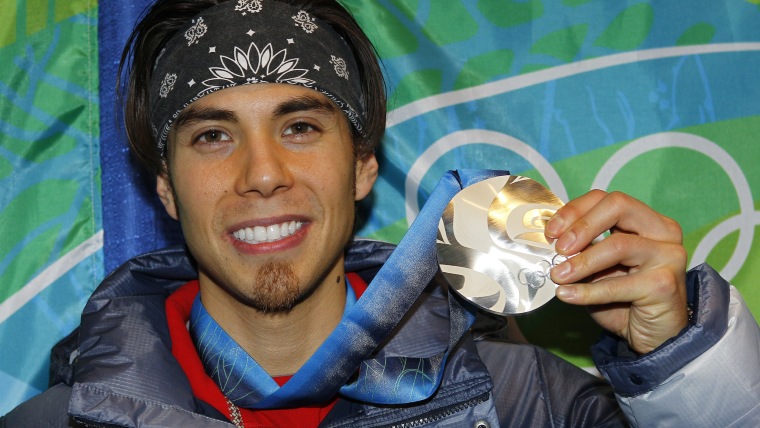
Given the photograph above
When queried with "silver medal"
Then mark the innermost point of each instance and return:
(491, 245)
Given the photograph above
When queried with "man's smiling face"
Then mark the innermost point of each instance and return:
(263, 180)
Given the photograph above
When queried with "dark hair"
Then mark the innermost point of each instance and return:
(160, 23)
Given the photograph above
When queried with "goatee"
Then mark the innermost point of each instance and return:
(274, 288)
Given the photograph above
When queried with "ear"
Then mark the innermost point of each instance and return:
(166, 194)
(366, 174)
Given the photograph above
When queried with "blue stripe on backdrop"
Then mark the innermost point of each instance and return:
(133, 219)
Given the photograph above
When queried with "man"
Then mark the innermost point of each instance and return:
(260, 120)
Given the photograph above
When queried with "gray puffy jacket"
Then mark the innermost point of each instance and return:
(117, 368)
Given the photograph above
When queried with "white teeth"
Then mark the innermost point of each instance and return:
(259, 233)
(284, 230)
(271, 233)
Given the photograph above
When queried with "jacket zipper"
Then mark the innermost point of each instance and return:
(86, 423)
(443, 413)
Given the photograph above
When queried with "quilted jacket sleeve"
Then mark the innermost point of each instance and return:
(707, 376)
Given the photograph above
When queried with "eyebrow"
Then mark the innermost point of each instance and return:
(305, 103)
(194, 114)
(309, 102)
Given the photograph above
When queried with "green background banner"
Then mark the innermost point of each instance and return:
(50, 228)
(658, 99)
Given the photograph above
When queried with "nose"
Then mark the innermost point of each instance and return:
(264, 168)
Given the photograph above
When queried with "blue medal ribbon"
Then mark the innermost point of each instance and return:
(237, 374)
(344, 362)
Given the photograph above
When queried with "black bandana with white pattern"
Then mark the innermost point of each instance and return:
(242, 42)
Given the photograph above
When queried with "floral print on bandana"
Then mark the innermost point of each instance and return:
(305, 21)
(248, 6)
(255, 66)
(168, 84)
(195, 32)
(340, 66)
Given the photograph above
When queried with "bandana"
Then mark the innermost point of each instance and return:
(252, 41)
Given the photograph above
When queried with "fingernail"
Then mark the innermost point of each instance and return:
(554, 226)
(565, 293)
(561, 270)
(565, 242)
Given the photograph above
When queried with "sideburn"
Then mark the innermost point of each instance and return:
(166, 172)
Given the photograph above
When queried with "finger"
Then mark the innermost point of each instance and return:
(660, 287)
(645, 308)
(597, 212)
(570, 212)
(620, 250)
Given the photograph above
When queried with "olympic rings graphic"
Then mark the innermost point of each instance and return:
(744, 222)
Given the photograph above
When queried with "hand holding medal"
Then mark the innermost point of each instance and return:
(509, 245)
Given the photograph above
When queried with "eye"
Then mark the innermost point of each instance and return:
(212, 136)
(299, 128)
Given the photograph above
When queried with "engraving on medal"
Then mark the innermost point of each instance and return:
(491, 245)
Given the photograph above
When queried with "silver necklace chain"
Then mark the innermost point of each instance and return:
(237, 418)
